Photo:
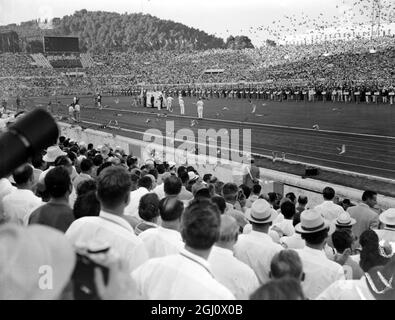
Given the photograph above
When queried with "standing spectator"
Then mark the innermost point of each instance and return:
(286, 264)
(22, 201)
(113, 192)
(364, 214)
(86, 171)
(86, 205)
(184, 194)
(166, 239)
(57, 213)
(255, 193)
(328, 209)
(257, 248)
(238, 277)
(281, 289)
(186, 275)
(230, 194)
(200, 106)
(372, 254)
(51, 155)
(320, 271)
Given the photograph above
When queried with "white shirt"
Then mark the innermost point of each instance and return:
(386, 234)
(293, 242)
(113, 230)
(77, 108)
(320, 272)
(133, 206)
(5, 188)
(238, 277)
(19, 204)
(160, 191)
(329, 210)
(199, 104)
(257, 249)
(161, 242)
(347, 290)
(183, 276)
(169, 100)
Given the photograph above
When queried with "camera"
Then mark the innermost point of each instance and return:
(29, 135)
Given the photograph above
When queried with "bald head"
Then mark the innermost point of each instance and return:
(229, 230)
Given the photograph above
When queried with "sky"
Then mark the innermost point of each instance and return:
(219, 17)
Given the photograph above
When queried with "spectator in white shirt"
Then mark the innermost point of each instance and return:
(186, 275)
(160, 188)
(257, 248)
(22, 201)
(148, 213)
(144, 187)
(295, 241)
(86, 171)
(230, 192)
(320, 271)
(285, 227)
(255, 193)
(166, 239)
(238, 277)
(328, 209)
(111, 227)
(5, 188)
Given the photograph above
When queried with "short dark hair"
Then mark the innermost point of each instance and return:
(229, 191)
(98, 160)
(170, 208)
(328, 193)
(200, 227)
(161, 168)
(184, 177)
(246, 190)
(63, 161)
(113, 186)
(23, 174)
(57, 182)
(288, 209)
(86, 165)
(368, 194)
(342, 240)
(86, 186)
(256, 189)
(149, 206)
(303, 200)
(315, 238)
(172, 186)
(90, 146)
(207, 177)
(145, 182)
(102, 167)
(272, 196)
(291, 196)
(220, 202)
(286, 263)
(180, 170)
(86, 205)
(154, 173)
(279, 289)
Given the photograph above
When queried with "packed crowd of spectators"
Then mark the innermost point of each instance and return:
(366, 61)
(166, 231)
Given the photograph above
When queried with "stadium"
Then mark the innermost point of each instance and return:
(311, 116)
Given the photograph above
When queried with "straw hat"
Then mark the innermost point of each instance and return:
(52, 153)
(261, 212)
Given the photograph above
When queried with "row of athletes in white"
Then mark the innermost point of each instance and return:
(181, 103)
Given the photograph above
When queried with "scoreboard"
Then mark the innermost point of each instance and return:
(61, 44)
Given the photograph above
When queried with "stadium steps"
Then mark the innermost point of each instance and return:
(40, 60)
(87, 61)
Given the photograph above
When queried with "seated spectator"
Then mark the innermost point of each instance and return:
(86, 186)
(343, 242)
(22, 201)
(186, 275)
(372, 254)
(86, 205)
(110, 227)
(148, 212)
(238, 277)
(86, 171)
(230, 194)
(286, 263)
(328, 209)
(285, 227)
(257, 248)
(144, 186)
(57, 213)
(166, 239)
(184, 194)
(320, 271)
(387, 218)
(24, 251)
(220, 202)
(281, 289)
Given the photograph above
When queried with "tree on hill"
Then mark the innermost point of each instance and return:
(238, 43)
(100, 32)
